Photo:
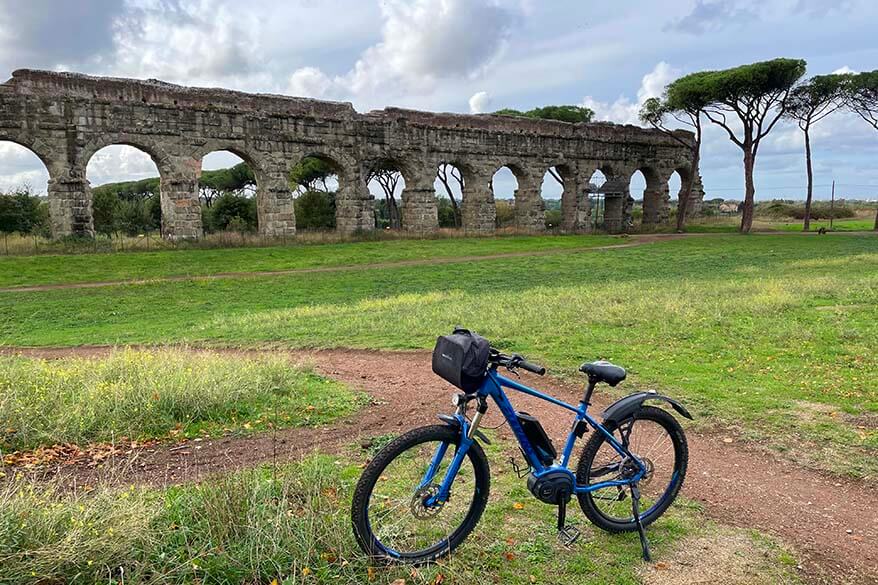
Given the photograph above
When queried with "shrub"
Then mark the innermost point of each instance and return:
(315, 210)
(231, 212)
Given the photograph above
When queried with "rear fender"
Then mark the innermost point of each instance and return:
(625, 407)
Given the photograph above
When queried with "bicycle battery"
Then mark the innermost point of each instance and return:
(537, 437)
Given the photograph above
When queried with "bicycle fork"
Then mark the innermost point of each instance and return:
(468, 433)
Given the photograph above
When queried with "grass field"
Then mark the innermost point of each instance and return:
(151, 395)
(292, 524)
(762, 334)
(57, 269)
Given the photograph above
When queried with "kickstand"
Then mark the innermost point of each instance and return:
(635, 508)
(566, 534)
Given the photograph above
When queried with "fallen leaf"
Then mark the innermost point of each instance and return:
(509, 556)
(518, 506)
(661, 565)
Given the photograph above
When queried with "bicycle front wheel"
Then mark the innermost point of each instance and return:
(395, 513)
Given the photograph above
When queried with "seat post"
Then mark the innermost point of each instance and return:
(592, 382)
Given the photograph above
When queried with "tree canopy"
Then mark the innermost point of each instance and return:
(755, 94)
(573, 114)
(311, 173)
(862, 96)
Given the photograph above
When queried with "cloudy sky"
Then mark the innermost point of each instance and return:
(461, 56)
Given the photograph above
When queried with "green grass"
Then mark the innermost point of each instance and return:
(61, 269)
(146, 395)
(838, 225)
(293, 524)
(773, 336)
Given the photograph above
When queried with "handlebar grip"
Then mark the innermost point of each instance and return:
(538, 370)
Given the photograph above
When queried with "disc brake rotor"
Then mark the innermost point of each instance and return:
(418, 507)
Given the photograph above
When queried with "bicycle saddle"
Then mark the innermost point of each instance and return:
(604, 371)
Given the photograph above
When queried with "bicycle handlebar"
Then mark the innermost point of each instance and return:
(515, 361)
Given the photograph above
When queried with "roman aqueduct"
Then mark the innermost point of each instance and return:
(65, 118)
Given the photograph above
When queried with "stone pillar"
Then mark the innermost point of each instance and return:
(614, 213)
(420, 212)
(656, 206)
(70, 208)
(354, 205)
(575, 205)
(479, 213)
(181, 209)
(696, 198)
(530, 212)
(274, 202)
(617, 207)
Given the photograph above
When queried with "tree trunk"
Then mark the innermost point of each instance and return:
(810, 194)
(393, 213)
(876, 221)
(749, 191)
(686, 194)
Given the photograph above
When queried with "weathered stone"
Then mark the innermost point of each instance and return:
(65, 118)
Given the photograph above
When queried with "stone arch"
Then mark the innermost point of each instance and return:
(450, 180)
(611, 199)
(354, 209)
(386, 177)
(70, 207)
(696, 197)
(505, 184)
(148, 202)
(39, 150)
(528, 201)
(239, 180)
(655, 197)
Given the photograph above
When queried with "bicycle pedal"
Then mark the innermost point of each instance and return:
(569, 535)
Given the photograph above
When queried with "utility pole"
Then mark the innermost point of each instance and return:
(832, 206)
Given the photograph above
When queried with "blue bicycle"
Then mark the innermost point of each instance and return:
(423, 493)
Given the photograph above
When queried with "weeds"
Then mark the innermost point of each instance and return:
(151, 394)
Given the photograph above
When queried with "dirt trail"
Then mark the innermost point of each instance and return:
(831, 521)
(634, 241)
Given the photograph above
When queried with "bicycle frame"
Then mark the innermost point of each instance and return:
(493, 387)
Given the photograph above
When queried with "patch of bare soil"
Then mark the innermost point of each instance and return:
(735, 556)
(830, 521)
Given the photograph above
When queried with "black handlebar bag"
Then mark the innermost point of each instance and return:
(462, 359)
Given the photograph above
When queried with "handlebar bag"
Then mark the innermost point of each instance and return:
(462, 359)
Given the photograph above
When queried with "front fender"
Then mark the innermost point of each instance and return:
(625, 407)
(456, 420)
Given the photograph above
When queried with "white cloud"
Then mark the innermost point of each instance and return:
(119, 163)
(627, 111)
(479, 102)
(843, 70)
(309, 82)
(422, 43)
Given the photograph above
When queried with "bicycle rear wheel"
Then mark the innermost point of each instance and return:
(656, 438)
(391, 512)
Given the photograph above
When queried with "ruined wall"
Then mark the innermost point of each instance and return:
(65, 118)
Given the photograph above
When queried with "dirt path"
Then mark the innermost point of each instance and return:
(634, 241)
(831, 522)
